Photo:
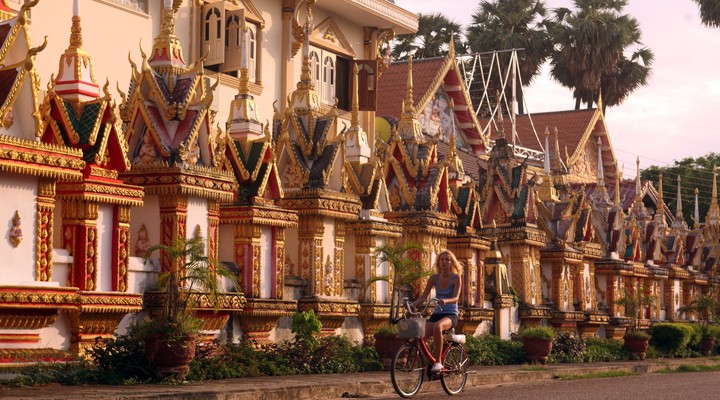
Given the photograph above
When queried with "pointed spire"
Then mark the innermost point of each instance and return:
(713, 196)
(679, 211)
(546, 161)
(558, 161)
(167, 52)
(355, 109)
(244, 80)
(409, 127)
(713, 215)
(408, 106)
(600, 196)
(356, 143)
(76, 79)
(660, 191)
(451, 46)
(618, 177)
(600, 174)
(547, 191)
(638, 197)
(696, 217)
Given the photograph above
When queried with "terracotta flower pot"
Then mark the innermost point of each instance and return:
(637, 346)
(171, 356)
(537, 349)
(386, 344)
(708, 344)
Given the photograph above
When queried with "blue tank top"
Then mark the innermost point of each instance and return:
(443, 294)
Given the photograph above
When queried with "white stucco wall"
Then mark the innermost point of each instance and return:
(19, 194)
(104, 251)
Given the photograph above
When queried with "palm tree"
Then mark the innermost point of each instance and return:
(434, 33)
(511, 24)
(709, 12)
(590, 52)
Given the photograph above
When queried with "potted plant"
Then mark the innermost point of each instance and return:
(537, 343)
(170, 337)
(405, 273)
(706, 307)
(635, 340)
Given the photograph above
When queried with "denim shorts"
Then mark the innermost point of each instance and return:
(451, 316)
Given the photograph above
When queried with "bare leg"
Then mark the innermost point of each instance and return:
(438, 328)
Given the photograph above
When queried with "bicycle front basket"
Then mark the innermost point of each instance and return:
(411, 328)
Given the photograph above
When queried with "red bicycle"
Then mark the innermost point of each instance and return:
(413, 361)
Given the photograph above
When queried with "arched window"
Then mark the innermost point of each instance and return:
(252, 50)
(315, 69)
(328, 80)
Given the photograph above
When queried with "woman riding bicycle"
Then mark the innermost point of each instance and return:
(447, 284)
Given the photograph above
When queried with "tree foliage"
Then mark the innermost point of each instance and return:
(694, 173)
(431, 39)
(709, 12)
(590, 57)
(511, 24)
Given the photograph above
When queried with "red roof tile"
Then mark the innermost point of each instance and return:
(571, 126)
(392, 85)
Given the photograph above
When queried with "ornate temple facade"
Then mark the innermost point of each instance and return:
(281, 133)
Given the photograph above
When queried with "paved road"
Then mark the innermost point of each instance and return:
(678, 386)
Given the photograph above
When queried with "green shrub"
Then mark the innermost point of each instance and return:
(540, 332)
(604, 350)
(672, 338)
(567, 348)
(121, 359)
(305, 325)
(492, 350)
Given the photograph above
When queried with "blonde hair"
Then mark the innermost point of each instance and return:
(456, 266)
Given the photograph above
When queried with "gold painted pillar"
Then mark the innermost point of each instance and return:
(80, 238)
(44, 229)
(279, 244)
(173, 220)
(213, 235)
(247, 257)
(310, 265)
(287, 78)
(120, 248)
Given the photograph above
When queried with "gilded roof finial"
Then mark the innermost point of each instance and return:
(306, 75)
(76, 78)
(600, 174)
(558, 161)
(661, 203)
(546, 160)
(679, 211)
(451, 46)
(618, 177)
(167, 51)
(638, 197)
(355, 109)
(696, 217)
(408, 106)
(713, 196)
(76, 30)
(244, 80)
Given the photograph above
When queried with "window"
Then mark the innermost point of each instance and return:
(331, 77)
(221, 32)
(328, 80)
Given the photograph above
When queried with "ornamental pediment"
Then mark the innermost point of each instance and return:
(329, 36)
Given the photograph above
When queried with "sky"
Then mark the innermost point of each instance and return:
(674, 116)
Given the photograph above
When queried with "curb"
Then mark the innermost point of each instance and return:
(333, 386)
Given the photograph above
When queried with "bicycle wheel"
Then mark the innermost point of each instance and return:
(407, 370)
(455, 366)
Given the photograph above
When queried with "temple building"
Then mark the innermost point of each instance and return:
(282, 133)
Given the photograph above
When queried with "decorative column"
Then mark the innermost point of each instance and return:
(173, 220)
(44, 229)
(80, 238)
(213, 230)
(470, 252)
(120, 248)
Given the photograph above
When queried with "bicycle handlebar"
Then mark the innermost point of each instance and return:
(413, 311)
